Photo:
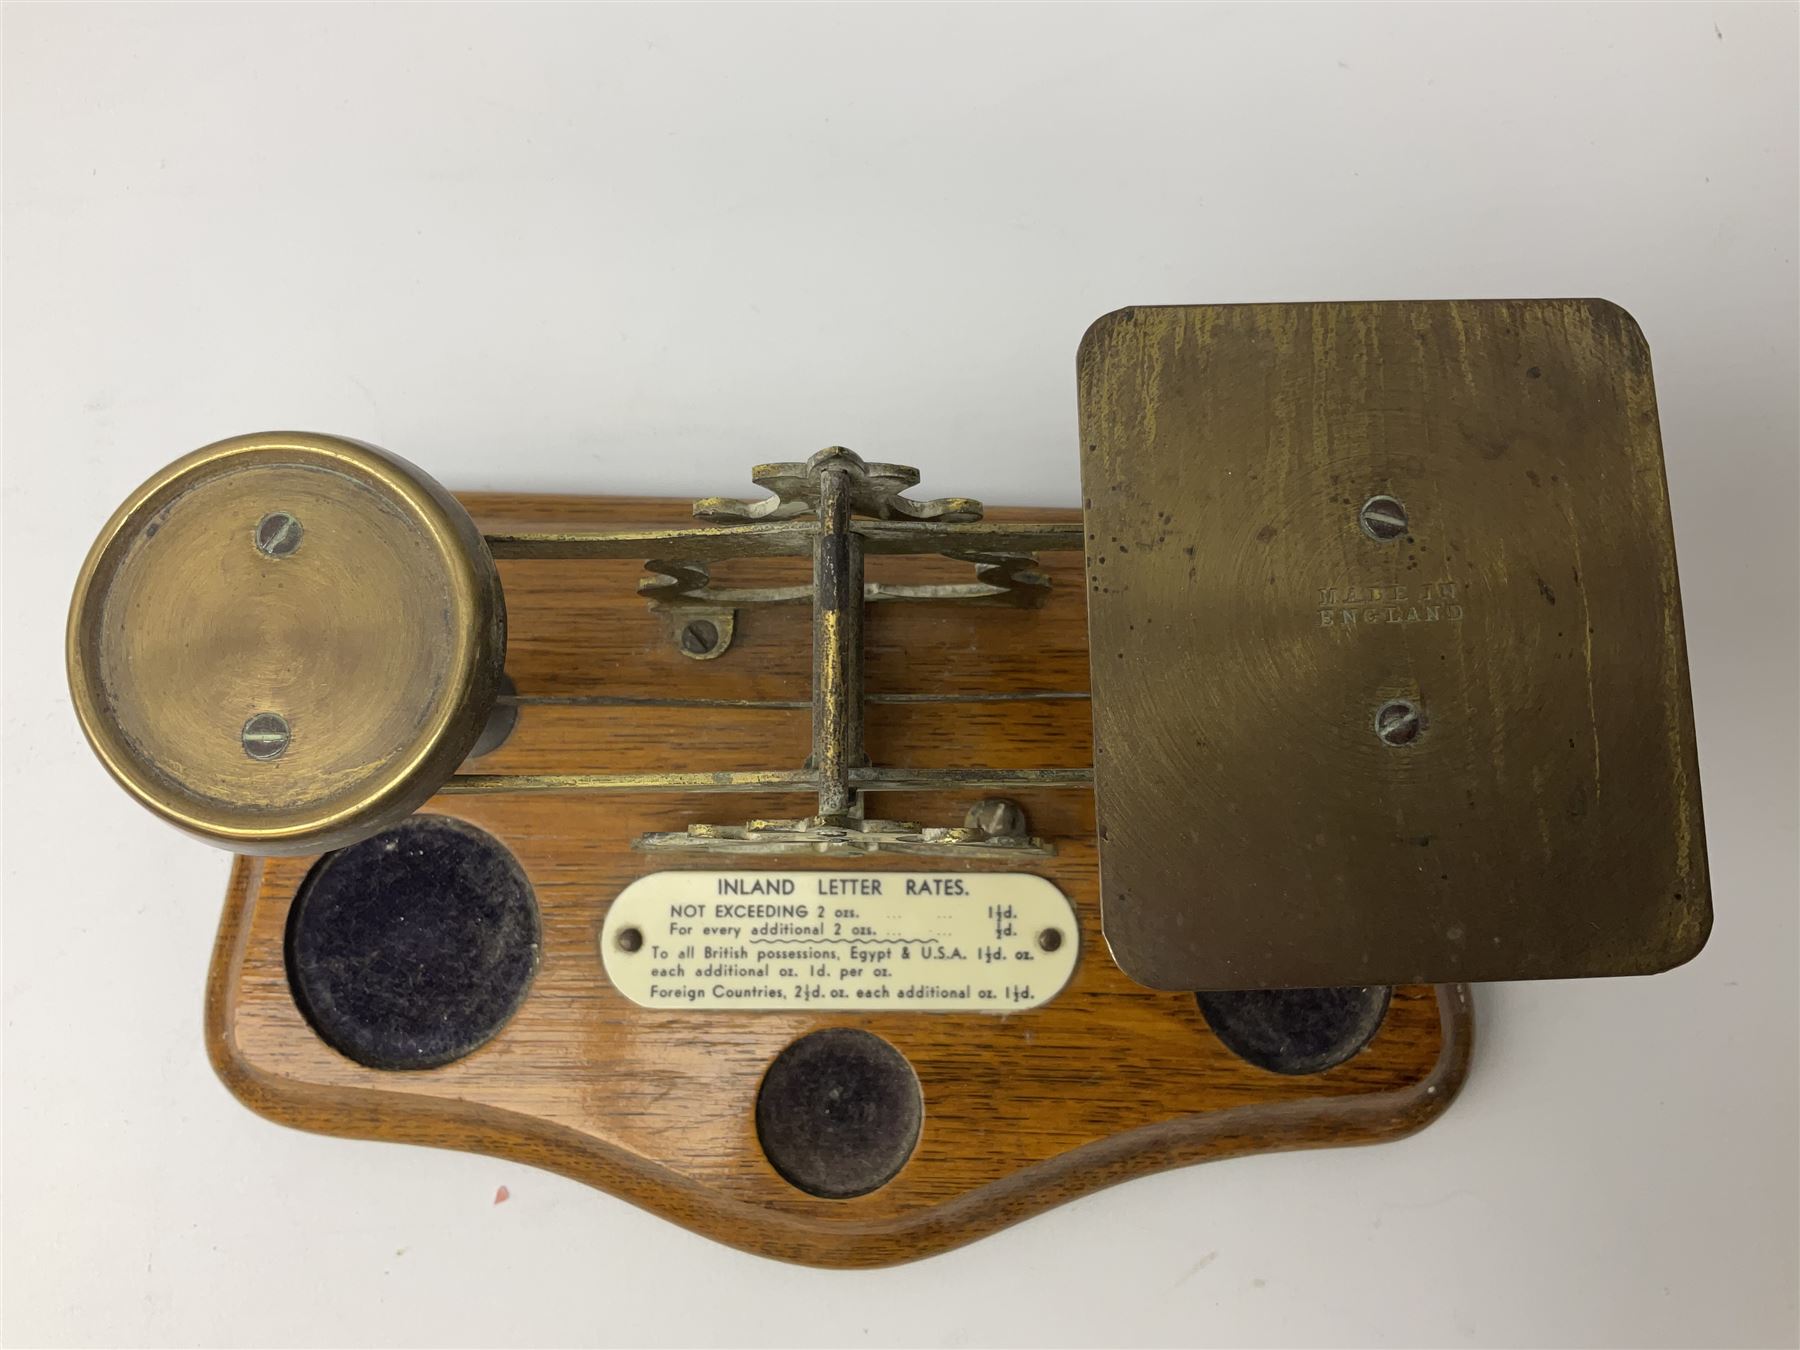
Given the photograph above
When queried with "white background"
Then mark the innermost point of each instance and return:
(631, 250)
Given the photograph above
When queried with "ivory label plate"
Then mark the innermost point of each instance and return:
(748, 941)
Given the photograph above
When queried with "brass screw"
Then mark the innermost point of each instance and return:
(700, 637)
(1382, 518)
(1399, 722)
(265, 736)
(629, 939)
(1050, 939)
(278, 534)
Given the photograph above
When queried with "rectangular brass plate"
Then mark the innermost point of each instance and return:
(1249, 625)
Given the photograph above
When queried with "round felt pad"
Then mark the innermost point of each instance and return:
(413, 947)
(838, 1113)
(1296, 1031)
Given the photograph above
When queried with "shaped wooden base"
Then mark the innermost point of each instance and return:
(1107, 1081)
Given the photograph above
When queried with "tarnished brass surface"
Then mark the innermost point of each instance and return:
(1389, 676)
(841, 837)
(276, 688)
(285, 642)
(788, 523)
(774, 780)
(798, 489)
(786, 539)
(837, 646)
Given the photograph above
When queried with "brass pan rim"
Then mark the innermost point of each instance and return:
(459, 711)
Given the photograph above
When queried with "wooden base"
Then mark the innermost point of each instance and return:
(1108, 1081)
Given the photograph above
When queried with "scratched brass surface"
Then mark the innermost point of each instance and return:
(378, 639)
(1246, 629)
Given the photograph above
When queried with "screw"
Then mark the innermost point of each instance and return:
(1399, 722)
(629, 939)
(1382, 518)
(700, 637)
(1050, 939)
(278, 534)
(265, 736)
(996, 817)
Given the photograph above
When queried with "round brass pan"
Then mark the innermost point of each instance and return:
(285, 642)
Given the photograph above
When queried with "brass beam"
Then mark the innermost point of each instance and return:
(785, 539)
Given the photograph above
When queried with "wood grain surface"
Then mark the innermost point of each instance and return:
(1108, 1081)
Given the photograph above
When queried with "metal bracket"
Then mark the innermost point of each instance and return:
(993, 828)
(871, 490)
(855, 508)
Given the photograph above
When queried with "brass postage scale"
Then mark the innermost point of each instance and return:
(847, 874)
